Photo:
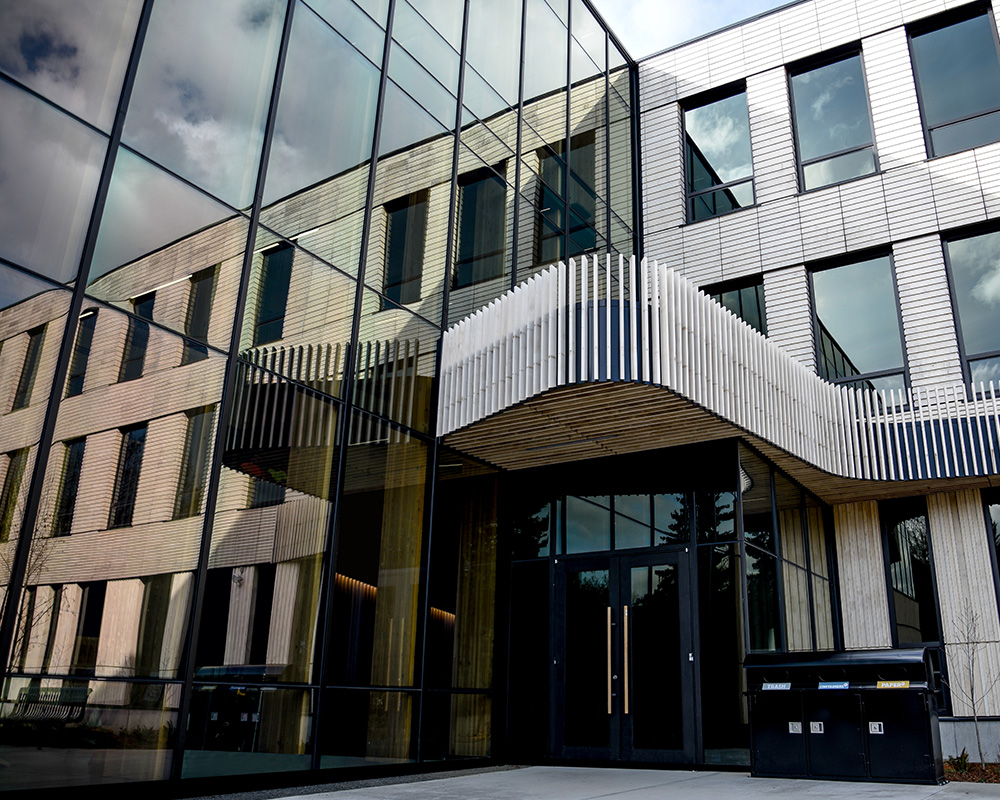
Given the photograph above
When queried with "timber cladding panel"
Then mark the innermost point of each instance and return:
(864, 603)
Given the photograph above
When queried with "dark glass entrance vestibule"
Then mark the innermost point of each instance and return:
(637, 586)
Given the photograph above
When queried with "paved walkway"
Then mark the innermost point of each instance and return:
(579, 783)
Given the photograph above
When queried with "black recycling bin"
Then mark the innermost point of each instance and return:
(859, 715)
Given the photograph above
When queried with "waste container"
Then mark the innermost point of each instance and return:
(859, 715)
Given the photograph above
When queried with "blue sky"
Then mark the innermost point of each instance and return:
(648, 26)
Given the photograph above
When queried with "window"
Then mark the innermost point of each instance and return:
(991, 503)
(406, 226)
(32, 356)
(958, 81)
(554, 211)
(137, 338)
(974, 268)
(69, 486)
(833, 129)
(744, 298)
(858, 333)
(199, 313)
(264, 493)
(11, 490)
(719, 166)
(482, 224)
(81, 352)
(276, 276)
(913, 611)
(191, 488)
(127, 479)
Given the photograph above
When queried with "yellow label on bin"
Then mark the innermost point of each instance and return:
(893, 685)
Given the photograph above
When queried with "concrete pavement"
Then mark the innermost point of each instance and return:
(581, 783)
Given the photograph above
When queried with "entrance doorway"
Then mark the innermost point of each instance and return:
(623, 659)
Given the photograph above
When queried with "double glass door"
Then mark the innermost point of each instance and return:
(623, 661)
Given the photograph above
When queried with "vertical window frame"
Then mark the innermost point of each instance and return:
(717, 291)
(811, 64)
(191, 482)
(29, 369)
(69, 486)
(77, 374)
(123, 499)
(475, 177)
(407, 288)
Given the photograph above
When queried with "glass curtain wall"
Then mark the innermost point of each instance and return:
(219, 319)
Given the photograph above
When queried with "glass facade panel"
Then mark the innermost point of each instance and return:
(588, 524)
(47, 201)
(719, 168)
(236, 730)
(205, 77)
(368, 728)
(75, 55)
(963, 54)
(763, 603)
(913, 594)
(105, 731)
(494, 45)
(857, 324)
(745, 300)
(831, 120)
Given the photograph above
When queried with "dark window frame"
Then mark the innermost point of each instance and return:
(76, 376)
(480, 175)
(938, 22)
(29, 369)
(69, 486)
(818, 328)
(191, 483)
(809, 65)
(406, 287)
(566, 222)
(261, 332)
(198, 316)
(692, 104)
(133, 363)
(717, 290)
(17, 461)
(126, 491)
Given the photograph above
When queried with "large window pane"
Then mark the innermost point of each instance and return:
(958, 80)
(202, 92)
(831, 119)
(913, 596)
(75, 54)
(857, 322)
(45, 203)
(719, 166)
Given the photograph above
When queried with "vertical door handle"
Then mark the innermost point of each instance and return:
(609, 659)
(626, 656)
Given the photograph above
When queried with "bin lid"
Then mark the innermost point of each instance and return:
(848, 658)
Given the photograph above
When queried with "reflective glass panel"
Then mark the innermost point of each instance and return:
(588, 596)
(745, 301)
(455, 726)
(958, 76)
(462, 583)
(425, 88)
(315, 142)
(791, 522)
(718, 153)
(426, 45)
(716, 516)
(203, 89)
(975, 275)
(911, 580)
(589, 33)
(857, 321)
(758, 519)
(531, 527)
(360, 29)
(545, 55)
(74, 54)
(368, 728)
(494, 44)
(671, 518)
(588, 524)
(762, 600)
(837, 169)
(102, 731)
(798, 615)
(45, 203)
(237, 730)
(831, 116)
(376, 603)
(823, 613)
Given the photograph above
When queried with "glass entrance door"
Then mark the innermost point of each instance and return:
(623, 661)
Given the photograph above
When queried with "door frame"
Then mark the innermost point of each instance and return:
(618, 564)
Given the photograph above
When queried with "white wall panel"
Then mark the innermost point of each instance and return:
(924, 303)
(663, 180)
(780, 233)
(877, 17)
(762, 44)
(789, 318)
(691, 68)
(799, 31)
(771, 135)
(958, 197)
(862, 203)
(725, 57)
(822, 224)
(703, 251)
(740, 244)
(915, 9)
(838, 22)
(893, 97)
(657, 81)
(909, 200)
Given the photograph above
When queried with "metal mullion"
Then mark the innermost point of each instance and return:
(229, 387)
(718, 187)
(324, 622)
(43, 448)
(519, 143)
(566, 147)
(836, 154)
